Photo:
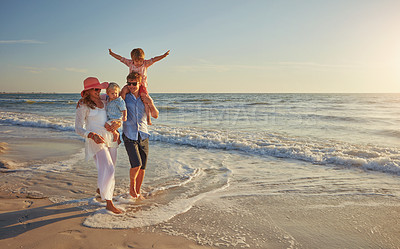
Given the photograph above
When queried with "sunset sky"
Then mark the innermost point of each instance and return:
(216, 45)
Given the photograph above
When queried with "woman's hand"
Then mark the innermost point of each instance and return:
(114, 126)
(96, 138)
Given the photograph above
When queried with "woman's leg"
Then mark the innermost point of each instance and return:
(105, 178)
(113, 154)
(105, 174)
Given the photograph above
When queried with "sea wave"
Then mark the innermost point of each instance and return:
(167, 108)
(259, 103)
(364, 156)
(37, 121)
(32, 101)
(367, 157)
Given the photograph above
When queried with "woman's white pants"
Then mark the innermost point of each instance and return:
(105, 162)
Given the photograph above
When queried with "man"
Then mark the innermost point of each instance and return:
(135, 133)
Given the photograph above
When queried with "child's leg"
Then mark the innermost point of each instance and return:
(148, 103)
(115, 135)
(148, 113)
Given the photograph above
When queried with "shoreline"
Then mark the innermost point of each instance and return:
(291, 205)
(20, 153)
(29, 219)
(39, 223)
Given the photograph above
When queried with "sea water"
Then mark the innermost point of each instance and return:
(207, 149)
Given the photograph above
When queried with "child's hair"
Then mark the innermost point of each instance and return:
(113, 85)
(134, 76)
(137, 53)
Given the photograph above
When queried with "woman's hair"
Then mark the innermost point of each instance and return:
(88, 101)
(134, 76)
(137, 53)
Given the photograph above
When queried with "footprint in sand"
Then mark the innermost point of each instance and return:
(28, 204)
(74, 233)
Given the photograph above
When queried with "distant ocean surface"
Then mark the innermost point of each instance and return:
(204, 144)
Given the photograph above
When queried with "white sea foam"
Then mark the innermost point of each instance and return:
(145, 214)
(34, 120)
(184, 180)
(365, 156)
(368, 156)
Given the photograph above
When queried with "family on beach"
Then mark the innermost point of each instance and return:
(98, 118)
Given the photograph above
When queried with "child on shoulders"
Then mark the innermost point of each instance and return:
(137, 63)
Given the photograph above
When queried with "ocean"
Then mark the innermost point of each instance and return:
(216, 160)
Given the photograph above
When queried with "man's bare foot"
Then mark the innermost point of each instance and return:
(149, 122)
(133, 194)
(140, 197)
(110, 206)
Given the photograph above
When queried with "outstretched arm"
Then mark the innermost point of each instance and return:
(158, 58)
(116, 56)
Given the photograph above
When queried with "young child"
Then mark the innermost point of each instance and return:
(137, 63)
(116, 108)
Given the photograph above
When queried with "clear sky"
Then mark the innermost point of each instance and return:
(216, 45)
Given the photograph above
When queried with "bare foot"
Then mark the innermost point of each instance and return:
(98, 190)
(133, 194)
(149, 122)
(110, 206)
(141, 197)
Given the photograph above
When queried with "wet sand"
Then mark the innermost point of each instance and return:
(31, 220)
(38, 223)
(284, 220)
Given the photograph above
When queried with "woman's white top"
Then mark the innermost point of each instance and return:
(92, 120)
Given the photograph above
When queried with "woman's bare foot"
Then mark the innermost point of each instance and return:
(110, 206)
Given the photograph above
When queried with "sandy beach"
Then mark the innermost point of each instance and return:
(31, 220)
(28, 222)
(39, 223)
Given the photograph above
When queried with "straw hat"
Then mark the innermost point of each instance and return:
(92, 82)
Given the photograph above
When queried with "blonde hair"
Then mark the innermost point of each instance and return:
(113, 85)
(137, 53)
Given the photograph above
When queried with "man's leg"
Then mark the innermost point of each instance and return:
(134, 173)
(139, 181)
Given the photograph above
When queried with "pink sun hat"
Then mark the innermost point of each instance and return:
(92, 82)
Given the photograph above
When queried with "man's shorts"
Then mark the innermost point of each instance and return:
(137, 151)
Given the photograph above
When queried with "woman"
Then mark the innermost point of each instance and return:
(89, 123)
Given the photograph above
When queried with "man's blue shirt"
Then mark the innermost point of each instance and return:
(136, 122)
